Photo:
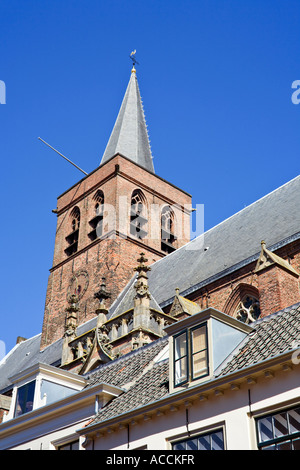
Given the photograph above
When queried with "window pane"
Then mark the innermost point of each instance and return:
(75, 445)
(294, 420)
(296, 444)
(181, 370)
(199, 364)
(70, 446)
(25, 397)
(199, 352)
(280, 424)
(272, 447)
(204, 443)
(217, 442)
(65, 447)
(199, 339)
(287, 445)
(192, 444)
(180, 346)
(265, 429)
(210, 441)
(179, 446)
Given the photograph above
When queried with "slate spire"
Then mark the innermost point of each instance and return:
(129, 136)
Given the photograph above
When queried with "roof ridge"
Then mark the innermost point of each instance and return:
(226, 220)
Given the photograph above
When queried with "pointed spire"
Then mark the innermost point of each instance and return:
(129, 136)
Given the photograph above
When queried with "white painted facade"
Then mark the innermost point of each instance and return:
(229, 410)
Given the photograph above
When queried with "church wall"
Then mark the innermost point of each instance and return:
(277, 288)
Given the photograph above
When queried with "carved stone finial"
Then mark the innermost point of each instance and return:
(71, 317)
(102, 294)
(142, 267)
(141, 285)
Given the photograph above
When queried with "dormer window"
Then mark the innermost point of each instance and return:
(24, 399)
(190, 355)
(96, 222)
(199, 344)
(41, 385)
(167, 229)
(72, 238)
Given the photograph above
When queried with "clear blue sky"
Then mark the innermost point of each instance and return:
(215, 78)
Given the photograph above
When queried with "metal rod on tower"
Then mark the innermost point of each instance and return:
(63, 156)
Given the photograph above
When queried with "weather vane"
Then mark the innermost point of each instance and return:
(132, 57)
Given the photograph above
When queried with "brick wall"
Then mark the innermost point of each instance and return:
(276, 287)
(113, 255)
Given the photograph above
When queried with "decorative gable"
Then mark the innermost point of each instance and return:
(182, 307)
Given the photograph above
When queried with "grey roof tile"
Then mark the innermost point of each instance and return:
(150, 387)
(128, 367)
(273, 335)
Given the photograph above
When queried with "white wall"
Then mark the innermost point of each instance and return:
(230, 410)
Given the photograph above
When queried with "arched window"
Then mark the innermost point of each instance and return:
(72, 238)
(138, 215)
(96, 222)
(167, 229)
(243, 303)
(248, 309)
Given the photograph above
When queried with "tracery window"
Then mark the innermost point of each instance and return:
(167, 229)
(248, 309)
(72, 238)
(96, 223)
(138, 215)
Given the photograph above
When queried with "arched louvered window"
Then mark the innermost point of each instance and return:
(167, 229)
(72, 238)
(138, 215)
(96, 222)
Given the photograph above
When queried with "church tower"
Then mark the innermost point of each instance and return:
(107, 219)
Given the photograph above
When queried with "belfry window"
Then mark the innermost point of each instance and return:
(96, 223)
(138, 216)
(167, 230)
(72, 238)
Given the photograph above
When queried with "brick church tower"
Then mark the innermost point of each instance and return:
(108, 218)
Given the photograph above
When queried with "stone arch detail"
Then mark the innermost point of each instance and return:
(245, 299)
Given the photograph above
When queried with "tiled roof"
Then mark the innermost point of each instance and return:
(150, 387)
(273, 335)
(128, 368)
